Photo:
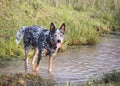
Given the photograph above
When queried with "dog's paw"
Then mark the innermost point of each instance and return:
(49, 70)
(37, 69)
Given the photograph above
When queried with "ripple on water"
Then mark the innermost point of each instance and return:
(78, 64)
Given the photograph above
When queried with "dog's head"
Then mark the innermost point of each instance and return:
(57, 35)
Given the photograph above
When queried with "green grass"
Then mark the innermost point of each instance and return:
(85, 20)
(108, 79)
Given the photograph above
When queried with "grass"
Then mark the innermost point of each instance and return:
(24, 80)
(85, 20)
(104, 84)
(108, 79)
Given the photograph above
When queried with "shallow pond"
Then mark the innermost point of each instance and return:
(77, 64)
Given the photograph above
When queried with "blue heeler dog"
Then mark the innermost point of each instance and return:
(42, 40)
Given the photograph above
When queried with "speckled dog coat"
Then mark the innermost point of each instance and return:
(41, 38)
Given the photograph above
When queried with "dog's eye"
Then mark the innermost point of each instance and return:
(55, 35)
(61, 35)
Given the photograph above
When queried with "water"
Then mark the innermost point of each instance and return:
(77, 64)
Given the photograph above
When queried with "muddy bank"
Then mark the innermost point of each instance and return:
(24, 80)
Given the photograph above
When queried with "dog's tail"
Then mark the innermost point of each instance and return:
(20, 34)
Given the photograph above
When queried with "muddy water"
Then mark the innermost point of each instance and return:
(77, 64)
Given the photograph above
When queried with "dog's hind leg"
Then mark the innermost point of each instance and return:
(33, 58)
(38, 60)
(26, 57)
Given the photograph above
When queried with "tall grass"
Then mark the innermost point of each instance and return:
(107, 11)
(8, 48)
(85, 20)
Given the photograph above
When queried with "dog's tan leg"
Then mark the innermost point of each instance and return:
(50, 63)
(38, 61)
(44, 52)
(33, 58)
(51, 59)
(26, 60)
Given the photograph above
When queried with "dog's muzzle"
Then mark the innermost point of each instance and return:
(57, 44)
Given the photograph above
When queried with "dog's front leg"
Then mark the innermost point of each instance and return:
(51, 58)
(38, 60)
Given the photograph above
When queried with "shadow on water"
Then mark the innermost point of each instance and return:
(76, 65)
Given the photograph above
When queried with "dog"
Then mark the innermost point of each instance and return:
(43, 41)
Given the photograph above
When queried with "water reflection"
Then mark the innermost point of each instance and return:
(77, 64)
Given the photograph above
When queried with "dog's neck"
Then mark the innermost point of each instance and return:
(51, 45)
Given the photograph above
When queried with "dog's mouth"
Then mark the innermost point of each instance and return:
(58, 45)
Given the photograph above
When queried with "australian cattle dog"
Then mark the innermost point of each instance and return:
(42, 40)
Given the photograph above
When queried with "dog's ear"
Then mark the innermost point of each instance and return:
(52, 27)
(62, 27)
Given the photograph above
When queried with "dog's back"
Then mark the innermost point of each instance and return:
(30, 34)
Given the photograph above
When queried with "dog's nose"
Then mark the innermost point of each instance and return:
(58, 41)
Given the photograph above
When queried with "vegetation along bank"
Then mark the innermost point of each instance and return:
(85, 20)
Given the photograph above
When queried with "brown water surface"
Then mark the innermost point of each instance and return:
(77, 64)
